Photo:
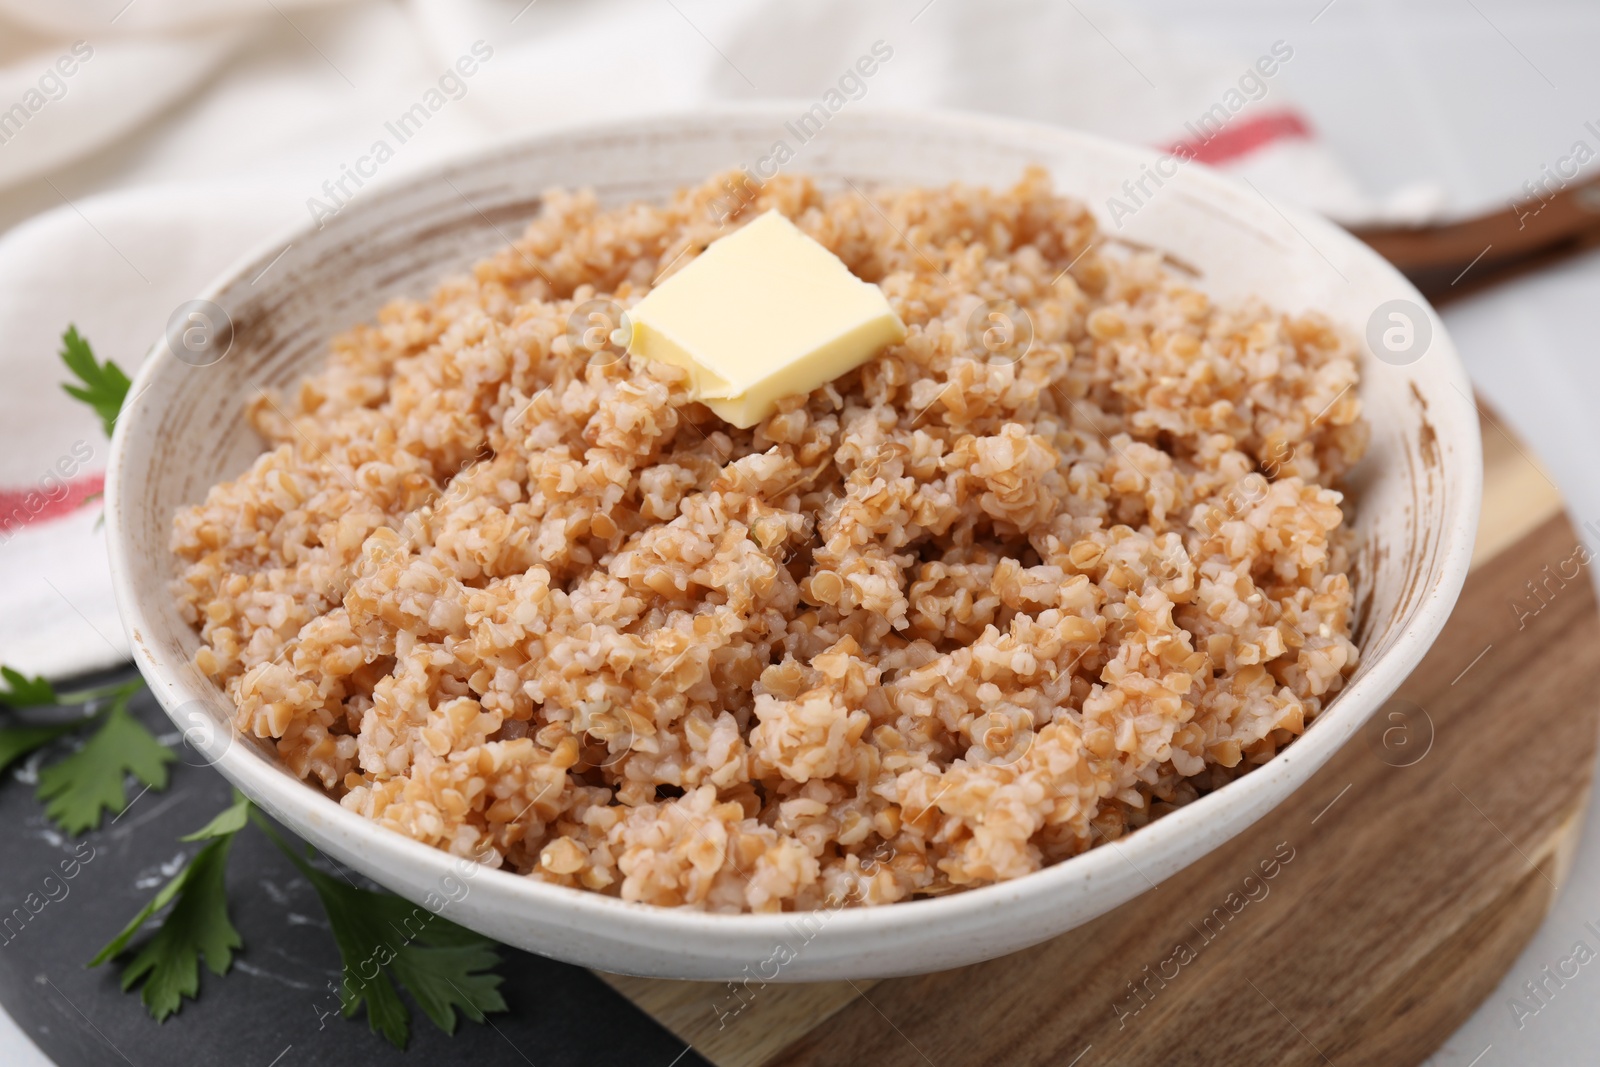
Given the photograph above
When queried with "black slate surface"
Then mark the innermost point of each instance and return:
(274, 1009)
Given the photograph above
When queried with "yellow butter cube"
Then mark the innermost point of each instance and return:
(763, 313)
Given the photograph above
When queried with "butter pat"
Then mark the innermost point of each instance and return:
(763, 313)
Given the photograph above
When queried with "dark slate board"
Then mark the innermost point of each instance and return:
(274, 1009)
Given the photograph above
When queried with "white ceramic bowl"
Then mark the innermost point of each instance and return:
(1417, 500)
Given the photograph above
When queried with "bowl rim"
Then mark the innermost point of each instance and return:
(298, 802)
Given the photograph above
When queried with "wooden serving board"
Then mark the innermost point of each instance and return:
(1405, 877)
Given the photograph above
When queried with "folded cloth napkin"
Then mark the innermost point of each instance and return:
(225, 116)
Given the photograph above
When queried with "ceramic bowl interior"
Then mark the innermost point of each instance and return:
(1416, 496)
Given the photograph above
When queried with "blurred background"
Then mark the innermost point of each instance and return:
(147, 144)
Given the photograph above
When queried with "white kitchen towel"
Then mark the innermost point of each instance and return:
(222, 118)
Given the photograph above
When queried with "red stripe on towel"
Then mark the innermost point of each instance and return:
(24, 507)
(1240, 138)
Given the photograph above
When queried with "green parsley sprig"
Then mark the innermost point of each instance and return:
(79, 788)
(386, 941)
(197, 926)
(18, 741)
(104, 386)
(20, 691)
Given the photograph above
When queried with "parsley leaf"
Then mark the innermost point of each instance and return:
(18, 741)
(230, 820)
(17, 690)
(198, 924)
(104, 385)
(79, 788)
(20, 691)
(384, 939)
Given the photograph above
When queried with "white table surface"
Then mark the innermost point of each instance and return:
(1458, 91)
